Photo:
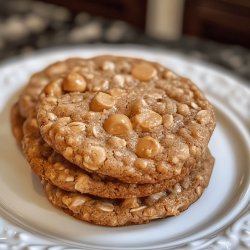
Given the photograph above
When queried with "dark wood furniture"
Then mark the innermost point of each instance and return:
(131, 11)
(225, 21)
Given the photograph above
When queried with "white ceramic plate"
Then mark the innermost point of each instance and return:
(219, 220)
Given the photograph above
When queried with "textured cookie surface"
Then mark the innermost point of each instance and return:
(55, 168)
(39, 80)
(30, 94)
(134, 120)
(16, 121)
(120, 212)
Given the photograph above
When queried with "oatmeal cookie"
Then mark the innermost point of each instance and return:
(134, 120)
(53, 167)
(120, 212)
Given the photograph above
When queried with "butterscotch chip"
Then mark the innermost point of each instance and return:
(102, 101)
(148, 120)
(143, 71)
(120, 212)
(53, 88)
(74, 82)
(147, 147)
(137, 106)
(118, 124)
(161, 107)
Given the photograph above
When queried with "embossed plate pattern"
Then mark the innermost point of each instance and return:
(219, 220)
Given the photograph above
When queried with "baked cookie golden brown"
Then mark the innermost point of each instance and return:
(133, 120)
(53, 167)
(115, 140)
(121, 212)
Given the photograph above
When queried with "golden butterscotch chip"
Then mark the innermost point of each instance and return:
(53, 88)
(74, 82)
(117, 124)
(137, 106)
(147, 147)
(148, 120)
(102, 101)
(143, 71)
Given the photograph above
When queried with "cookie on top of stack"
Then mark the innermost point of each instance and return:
(115, 140)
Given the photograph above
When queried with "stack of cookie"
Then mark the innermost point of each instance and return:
(115, 140)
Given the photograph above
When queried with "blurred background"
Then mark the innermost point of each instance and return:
(217, 31)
